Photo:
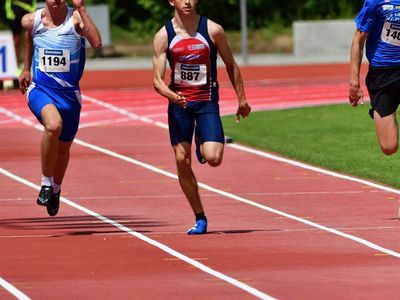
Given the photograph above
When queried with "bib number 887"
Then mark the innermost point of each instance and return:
(190, 75)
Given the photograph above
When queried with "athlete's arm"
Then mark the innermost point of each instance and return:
(160, 44)
(218, 36)
(355, 92)
(25, 77)
(84, 24)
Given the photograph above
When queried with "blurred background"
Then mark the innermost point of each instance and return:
(270, 24)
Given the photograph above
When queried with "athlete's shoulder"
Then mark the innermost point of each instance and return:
(214, 26)
(215, 30)
(161, 34)
(160, 41)
(373, 4)
(28, 21)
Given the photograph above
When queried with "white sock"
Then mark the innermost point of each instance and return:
(57, 188)
(47, 181)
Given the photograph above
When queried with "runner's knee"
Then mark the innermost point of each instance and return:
(53, 128)
(213, 158)
(214, 161)
(182, 160)
(388, 149)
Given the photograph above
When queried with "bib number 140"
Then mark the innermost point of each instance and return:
(391, 34)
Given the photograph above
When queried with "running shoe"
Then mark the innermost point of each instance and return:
(199, 228)
(54, 204)
(45, 194)
(197, 141)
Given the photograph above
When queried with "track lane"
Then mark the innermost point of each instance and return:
(284, 250)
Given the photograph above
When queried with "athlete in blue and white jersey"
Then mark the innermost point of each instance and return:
(378, 28)
(59, 54)
(54, 63)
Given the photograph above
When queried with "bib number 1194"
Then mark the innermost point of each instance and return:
(54, 60)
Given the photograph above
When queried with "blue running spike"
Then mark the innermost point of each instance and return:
(199, 228)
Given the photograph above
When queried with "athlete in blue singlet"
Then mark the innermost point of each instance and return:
(190, 44)
(54, 63)
(378, 27)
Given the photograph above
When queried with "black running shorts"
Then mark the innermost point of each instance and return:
(384, 89)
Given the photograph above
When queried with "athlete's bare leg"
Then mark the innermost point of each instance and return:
(62, 161)
(187, 180)
(52, 123)
(387, 132)
(213, 153)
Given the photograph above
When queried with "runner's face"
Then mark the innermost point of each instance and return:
(184, 6)
(56, 3)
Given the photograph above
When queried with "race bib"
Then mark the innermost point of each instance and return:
(190, 75)
(391, 33)
(56, 61)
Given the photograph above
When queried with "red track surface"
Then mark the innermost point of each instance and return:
(76, 256)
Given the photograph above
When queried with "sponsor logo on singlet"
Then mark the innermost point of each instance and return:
(196, 47)
(189, 57)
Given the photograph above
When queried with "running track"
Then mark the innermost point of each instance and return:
(278, 228)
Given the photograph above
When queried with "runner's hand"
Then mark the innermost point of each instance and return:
(356, 95)
(24, 81)
(180, 100)
(78, 3)
(242, 111)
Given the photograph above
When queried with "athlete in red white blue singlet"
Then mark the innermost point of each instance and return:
(193, 64)
(190, 43)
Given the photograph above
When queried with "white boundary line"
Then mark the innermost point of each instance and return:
(150, 241)
(13, 290)
(312, 168)
(124, 112)
(233, 196)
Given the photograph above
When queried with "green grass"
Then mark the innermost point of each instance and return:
(273, 39)
(337, 137)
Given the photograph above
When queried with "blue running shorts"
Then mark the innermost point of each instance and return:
(67, 101)
(202, 114)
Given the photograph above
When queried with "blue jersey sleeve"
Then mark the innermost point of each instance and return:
(365, 18)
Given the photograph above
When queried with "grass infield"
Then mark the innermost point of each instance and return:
(336, 137)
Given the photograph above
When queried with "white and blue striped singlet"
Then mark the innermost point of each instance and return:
(59, 53)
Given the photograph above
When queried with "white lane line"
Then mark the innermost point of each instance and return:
(124, 112)
(235, 197)
(102, 123)
(150, 241)
(312, 168)
(13, 290)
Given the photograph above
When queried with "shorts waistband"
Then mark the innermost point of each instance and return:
(58, 88)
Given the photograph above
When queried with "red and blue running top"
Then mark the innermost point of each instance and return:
(193, 63)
